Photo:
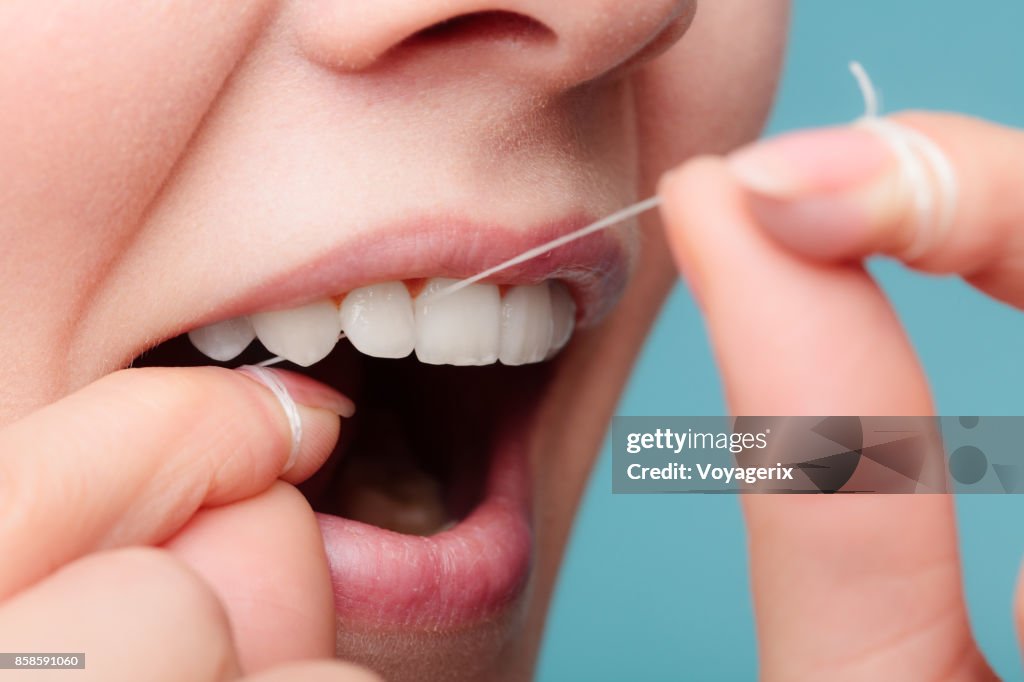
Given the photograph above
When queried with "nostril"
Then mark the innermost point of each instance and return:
(494, 25)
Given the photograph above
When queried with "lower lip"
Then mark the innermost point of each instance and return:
(473, 572)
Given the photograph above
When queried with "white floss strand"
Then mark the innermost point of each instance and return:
(926, 171)
(602, 224)
(291, 410)
(867, 90)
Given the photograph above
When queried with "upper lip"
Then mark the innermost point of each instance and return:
(594, 268)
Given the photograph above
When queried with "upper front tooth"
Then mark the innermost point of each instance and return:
(379, 320)
(463, 328)
(225, 340)
(526, 325)
(563, 316)
(303, 335)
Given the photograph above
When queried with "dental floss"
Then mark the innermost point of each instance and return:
(867, 90)
(291, 410)
(922, 165)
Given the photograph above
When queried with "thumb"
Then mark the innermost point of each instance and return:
(282, 611)
(130, 458)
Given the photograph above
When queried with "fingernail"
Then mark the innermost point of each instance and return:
(820, 192)
(292, 389)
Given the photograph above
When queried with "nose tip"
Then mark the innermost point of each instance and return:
(546, 41)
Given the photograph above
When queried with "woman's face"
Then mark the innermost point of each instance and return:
(169, 165)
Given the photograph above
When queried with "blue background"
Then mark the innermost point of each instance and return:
(621, 612)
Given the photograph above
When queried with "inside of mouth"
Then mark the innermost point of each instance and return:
(415, 457)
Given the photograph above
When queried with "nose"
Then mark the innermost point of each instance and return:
(550, 42)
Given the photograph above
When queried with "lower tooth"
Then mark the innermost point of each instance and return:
(303, 335)
(223, 341)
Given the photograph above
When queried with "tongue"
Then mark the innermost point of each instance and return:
(411, 506)
(381, 482)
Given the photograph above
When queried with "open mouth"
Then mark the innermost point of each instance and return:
(424, 505)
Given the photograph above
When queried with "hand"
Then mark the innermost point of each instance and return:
(148, 521)
(846, 588)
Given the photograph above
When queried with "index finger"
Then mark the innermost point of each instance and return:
(130, 458)
(845, 587)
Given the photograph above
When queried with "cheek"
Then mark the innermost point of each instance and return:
(713, 90)
(103, 97)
